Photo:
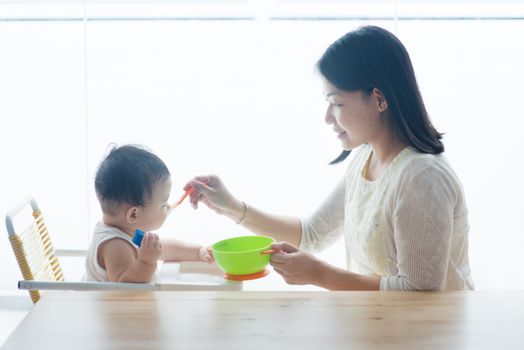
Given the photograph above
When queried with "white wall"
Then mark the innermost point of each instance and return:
(241, 99)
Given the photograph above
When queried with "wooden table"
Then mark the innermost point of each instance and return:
(273, 320)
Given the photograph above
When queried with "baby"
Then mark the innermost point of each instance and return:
(133, 187)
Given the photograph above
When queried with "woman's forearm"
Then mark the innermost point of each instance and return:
(280, 227)
(335, 278)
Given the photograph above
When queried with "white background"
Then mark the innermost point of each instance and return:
(241, 98)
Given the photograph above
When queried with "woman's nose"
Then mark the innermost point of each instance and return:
(328, 117)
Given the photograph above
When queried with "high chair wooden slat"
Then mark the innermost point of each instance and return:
(33, 248)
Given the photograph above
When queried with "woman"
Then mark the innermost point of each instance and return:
(400, 206)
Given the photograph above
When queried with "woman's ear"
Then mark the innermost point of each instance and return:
(132, 215)
(382, 104)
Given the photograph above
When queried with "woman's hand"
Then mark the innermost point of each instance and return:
(212, 192)
(296, 266)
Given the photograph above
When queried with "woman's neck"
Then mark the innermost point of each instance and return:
(384, 151)
(384, 154)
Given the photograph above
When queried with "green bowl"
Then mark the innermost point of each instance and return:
(242, 255)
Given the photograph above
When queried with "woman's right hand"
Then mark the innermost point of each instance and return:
(210, 190)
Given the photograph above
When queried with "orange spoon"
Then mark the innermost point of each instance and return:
(187, 193)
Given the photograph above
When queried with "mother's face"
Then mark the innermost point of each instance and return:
(354, 116)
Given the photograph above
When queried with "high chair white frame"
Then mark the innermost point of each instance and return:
(41, 270)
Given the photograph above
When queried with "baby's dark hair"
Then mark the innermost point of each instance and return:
(127, 176)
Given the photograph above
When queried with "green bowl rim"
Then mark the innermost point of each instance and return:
(244, 251)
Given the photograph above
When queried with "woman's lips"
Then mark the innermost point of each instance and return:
(341, 134)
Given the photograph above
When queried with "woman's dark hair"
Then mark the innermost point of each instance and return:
(371, 57)
(127, 175)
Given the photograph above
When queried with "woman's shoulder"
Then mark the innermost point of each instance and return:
(416, 163)
(425, 169)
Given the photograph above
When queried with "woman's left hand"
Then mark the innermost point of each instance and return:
(296, 266)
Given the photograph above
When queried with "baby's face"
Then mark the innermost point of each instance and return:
(157, 207)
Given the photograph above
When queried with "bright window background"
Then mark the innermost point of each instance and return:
(229, 88)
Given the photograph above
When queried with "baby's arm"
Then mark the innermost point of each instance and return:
(123, 265)
(176, 250)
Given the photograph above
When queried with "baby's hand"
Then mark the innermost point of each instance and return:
(150, 249)
(205, 254)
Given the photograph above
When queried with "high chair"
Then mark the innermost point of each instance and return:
(41, 270)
